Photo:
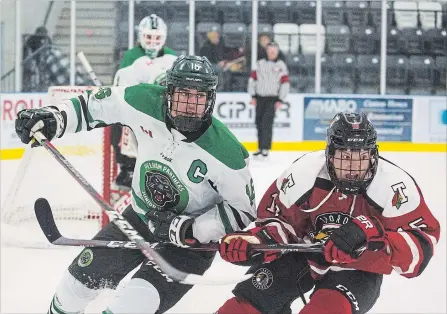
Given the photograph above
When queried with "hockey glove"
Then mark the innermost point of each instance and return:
(48, 120)
(347, 243)
(167, 226)
(236, 247)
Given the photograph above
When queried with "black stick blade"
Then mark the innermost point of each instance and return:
(45, 218)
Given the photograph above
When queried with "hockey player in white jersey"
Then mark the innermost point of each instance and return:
(147, 62)
(190, 169)
(145, 70)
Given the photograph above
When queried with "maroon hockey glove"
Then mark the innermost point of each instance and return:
(236, 247)
(347, 243)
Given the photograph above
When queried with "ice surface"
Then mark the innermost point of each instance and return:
(30, 276)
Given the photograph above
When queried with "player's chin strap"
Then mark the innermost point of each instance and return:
(129, 230)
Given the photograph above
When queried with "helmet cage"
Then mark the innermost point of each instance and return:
(355, 141)
(191, 72)
(189, 121)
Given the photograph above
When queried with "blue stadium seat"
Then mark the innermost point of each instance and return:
(397, 75)
(177, 11)
(308, 73)
(262, 29)
(376, 14)
(207, 12)
(178, 37)
(338, 38)
(308, 76)
(441, 68)
(413, 41)
(393, 40)
(422, 71)
(235, 34)
(365, 40)
(444, 14)
(282, 11)
(333, 13)
(343, 79)
(145, 8)
(233, 11)
(368, 74)
(305, 11)
(296, 72)
(357, 13)
(237, 81)
(264, 14)
(436, 41)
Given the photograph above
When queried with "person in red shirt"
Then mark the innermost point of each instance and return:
(369, 213)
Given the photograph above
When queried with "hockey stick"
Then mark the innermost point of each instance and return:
(129, 231)
(46, 221)
(97, 82)
(89, 68)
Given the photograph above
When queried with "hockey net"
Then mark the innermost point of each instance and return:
(38, 174)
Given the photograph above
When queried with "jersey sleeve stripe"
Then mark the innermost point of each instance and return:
(84, 111)
(225, 219)
(414, 252)
(267, 221)
(77, 108)
(238, 218)
(427, 249)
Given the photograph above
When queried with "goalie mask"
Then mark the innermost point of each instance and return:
(191, 92)
(152, 32)
(351, 152)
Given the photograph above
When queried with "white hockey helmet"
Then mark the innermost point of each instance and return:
(152, 32)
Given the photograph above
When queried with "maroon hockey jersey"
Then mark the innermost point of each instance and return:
(303, 202)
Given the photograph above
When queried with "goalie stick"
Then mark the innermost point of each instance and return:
(46, 221)
(130, 232)
(89, 69)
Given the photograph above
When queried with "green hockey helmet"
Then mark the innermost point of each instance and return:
(191, 92)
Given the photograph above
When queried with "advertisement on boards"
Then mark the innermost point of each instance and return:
(392, 117)
(10, 104)
(430, 123)
(236, 112)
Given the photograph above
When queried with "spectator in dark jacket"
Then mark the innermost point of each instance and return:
(220, 56)
(216, 51)
(37, 40)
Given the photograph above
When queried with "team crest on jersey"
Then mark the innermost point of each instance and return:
(399, 197)
(85, 258)
(262, 279)
(287, 183)
(162, 188)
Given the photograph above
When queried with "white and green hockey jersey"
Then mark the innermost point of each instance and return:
(145, 70)
(207, 179)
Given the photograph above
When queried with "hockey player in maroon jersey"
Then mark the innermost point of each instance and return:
(370, 214)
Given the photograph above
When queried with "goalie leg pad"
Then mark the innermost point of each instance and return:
(138, 296)
(71, 296)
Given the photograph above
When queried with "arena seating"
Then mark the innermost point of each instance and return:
(416, 40)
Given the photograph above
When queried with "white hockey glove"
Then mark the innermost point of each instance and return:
(167, 226)
(48, 120)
